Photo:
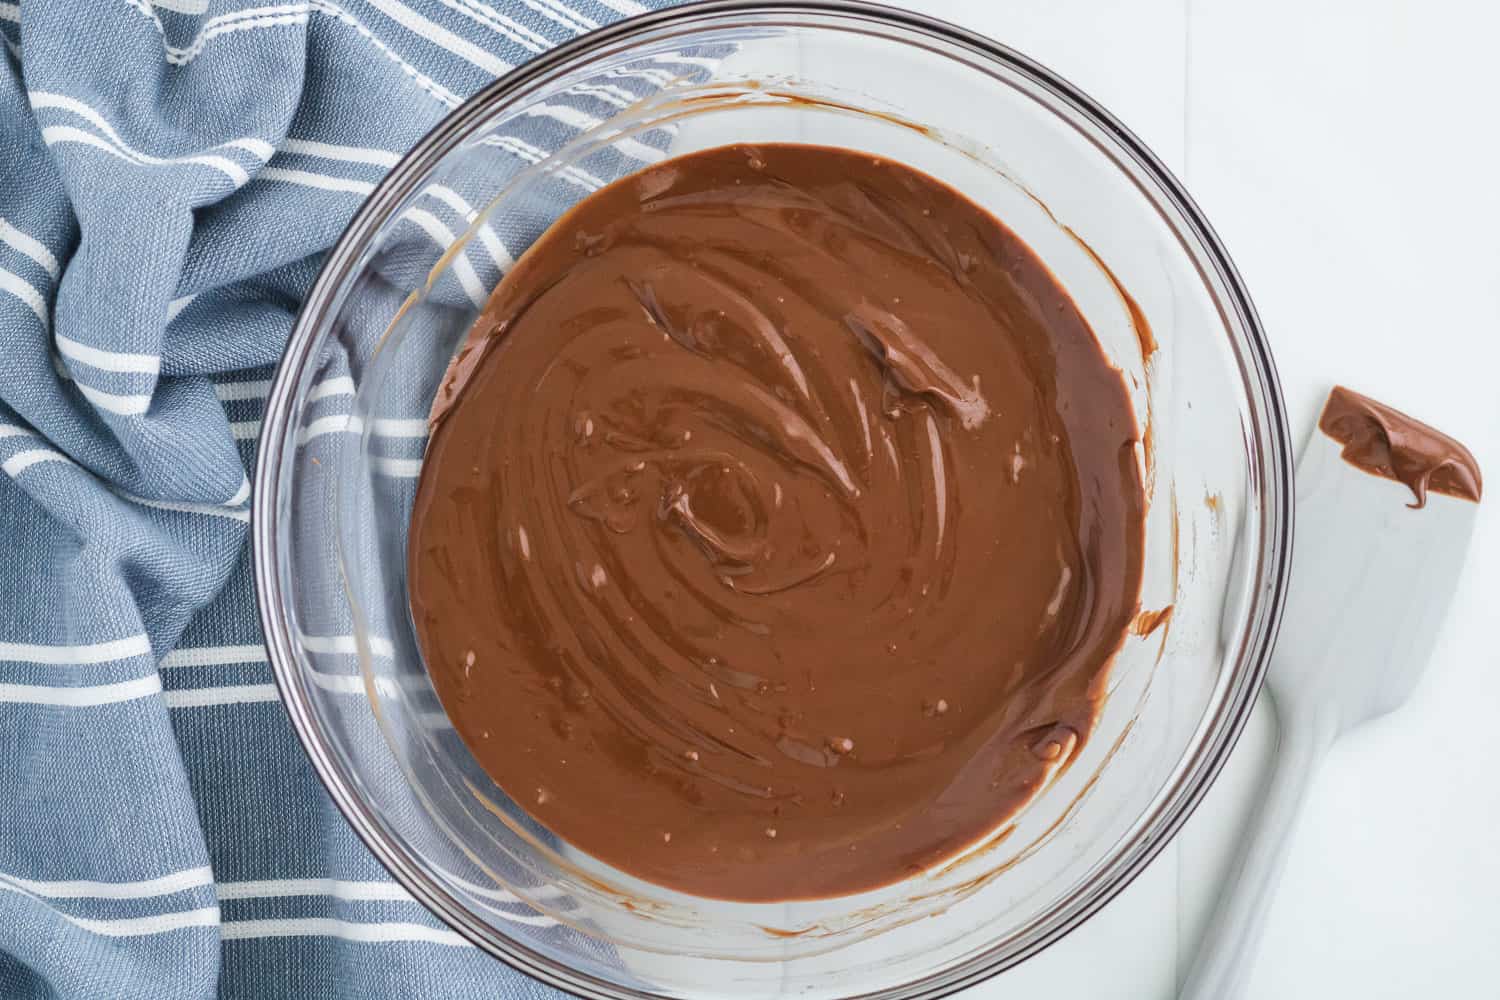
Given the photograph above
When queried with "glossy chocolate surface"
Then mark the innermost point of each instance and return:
(781, 519)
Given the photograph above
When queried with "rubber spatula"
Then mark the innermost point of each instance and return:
(1377, 555)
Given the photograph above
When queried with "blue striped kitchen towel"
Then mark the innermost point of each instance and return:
(170, 172)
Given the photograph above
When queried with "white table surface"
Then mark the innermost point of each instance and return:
(1348, 153)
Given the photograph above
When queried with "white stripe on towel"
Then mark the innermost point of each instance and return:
(176, 306)
(43, 99)
(211, 656)
(109, 361)
(497, 250)
(444, 237)
(415, 427)
(80, 697)
(188, 507)
(451, 198)
(574, 118)
(498, 23)
(76, 655)
(607, 92)
(399, 468)
(227, 391)
(238, 930)
(240, 495)
(655, 77)
(165, 885)
(531, 154)
(441, 94)
(247, 694)
(238, 694)
(626, 7)
(339, 385)
(182, 6)
(348, 930)
(565, 16)
(502, 895)
(129, 406)
(203, 656)
(307, 178)
(282, 16)
(442, 37)
(256, 147)
(30, 246)
(345, 645)
(26, 292)
(336, 888)
(23, 460)
(335, 424)
(52, 135)
(699, 62)
(208, 916)
(240, 20)
(346, 154)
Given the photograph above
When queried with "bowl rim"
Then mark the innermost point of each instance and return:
(1175, 804)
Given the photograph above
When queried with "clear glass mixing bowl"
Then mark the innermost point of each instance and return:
(344, 434)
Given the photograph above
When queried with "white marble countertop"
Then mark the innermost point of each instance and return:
(1346, 152)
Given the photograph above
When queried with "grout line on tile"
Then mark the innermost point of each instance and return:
(1179, 949)
(1187, 92)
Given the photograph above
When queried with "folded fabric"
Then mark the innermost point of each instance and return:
(170, 173)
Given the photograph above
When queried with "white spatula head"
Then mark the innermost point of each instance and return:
(1385, 510)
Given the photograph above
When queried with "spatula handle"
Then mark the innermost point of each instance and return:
(1227, 953)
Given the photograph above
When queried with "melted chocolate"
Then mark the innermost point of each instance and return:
(781, 519)
(1386, 442)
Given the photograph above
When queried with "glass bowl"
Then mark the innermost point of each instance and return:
(345, 428)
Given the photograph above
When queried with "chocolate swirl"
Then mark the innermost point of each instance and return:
(780, 521)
